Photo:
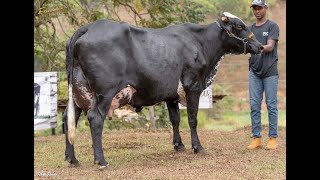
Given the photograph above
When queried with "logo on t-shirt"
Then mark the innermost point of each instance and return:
(265, 33)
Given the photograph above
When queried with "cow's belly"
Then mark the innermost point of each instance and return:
(152, 95)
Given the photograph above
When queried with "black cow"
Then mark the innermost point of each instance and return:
(111, 64)
(36, 98)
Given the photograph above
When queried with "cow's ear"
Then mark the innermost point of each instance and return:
(225, 19)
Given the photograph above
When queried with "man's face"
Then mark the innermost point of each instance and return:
(259, 11)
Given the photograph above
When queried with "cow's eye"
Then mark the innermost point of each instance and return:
(239, 27)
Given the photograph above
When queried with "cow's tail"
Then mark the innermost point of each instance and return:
(70, 64)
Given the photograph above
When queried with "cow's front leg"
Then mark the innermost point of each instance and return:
(69, 153)
(96, 117)
(192, 109)
(174, 114)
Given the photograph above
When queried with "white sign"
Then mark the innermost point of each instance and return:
(45, 100)
(205, 101)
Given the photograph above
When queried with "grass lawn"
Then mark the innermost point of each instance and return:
(235, 120)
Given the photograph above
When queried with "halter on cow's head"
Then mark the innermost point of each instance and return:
(241, 38)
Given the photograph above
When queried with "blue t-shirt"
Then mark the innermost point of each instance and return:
(265, 64)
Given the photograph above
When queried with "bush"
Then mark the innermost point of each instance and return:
(203, 120)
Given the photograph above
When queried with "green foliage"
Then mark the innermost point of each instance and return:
(121, 123)
(221, 88)
(117, 124)
(221, 105)
(62, 92)
(62, 76)
(224, 105)
(195, 12)
(42, 117)
(203, 120)
(48, 47)
(162, 13)
(237, 7)
(163, 114)
(231, 120)
(160, 112)
(209, 5)
(234, 120)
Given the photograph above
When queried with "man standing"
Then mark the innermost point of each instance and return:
(263, 76)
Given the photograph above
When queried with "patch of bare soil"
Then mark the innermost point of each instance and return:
(150, 155)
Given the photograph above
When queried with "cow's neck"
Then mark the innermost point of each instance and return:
(212, 39)
(214, 43)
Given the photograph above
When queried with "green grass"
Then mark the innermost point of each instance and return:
(230, 121)
(234, 120)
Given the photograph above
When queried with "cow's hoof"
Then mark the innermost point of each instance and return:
(101, 163)
(101, 168)
(73, 162)
(179, 147)
(199, 150)
(74, 165)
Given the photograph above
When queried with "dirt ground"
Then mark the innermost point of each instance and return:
(143, 154)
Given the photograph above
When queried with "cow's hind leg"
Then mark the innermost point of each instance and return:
(69, 153)
(96, 117)
(174, 114)
(192, 109)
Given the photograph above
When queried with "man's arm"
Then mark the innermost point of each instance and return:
(269, 46)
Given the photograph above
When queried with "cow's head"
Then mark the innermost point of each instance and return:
(241, 39)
